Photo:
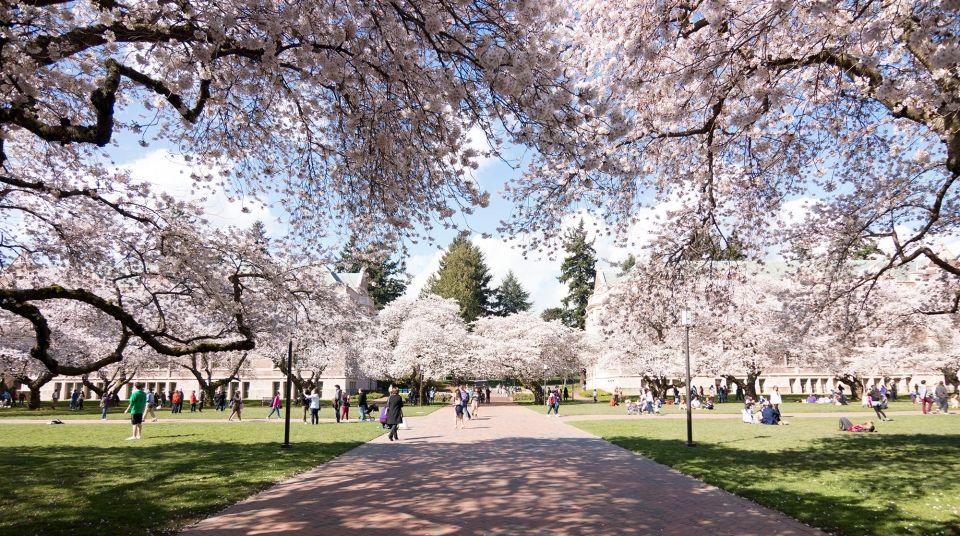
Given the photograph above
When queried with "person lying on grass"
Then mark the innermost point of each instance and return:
(847, 426)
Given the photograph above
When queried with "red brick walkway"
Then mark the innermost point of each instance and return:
(512, 471)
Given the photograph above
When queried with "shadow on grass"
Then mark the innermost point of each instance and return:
(863, 480)
(153, 490)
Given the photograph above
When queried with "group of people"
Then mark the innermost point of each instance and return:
(9, 399)
(467, 402)
(764, 411)
(925, 396)
(646, 404)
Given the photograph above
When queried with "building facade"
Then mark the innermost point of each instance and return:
(259, 379)
(790, 376)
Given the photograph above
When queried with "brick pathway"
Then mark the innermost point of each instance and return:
(512, 471)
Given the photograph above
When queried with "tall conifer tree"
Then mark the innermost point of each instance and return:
(579, 272)
(510, 297)
(386, 279)
(465, 277)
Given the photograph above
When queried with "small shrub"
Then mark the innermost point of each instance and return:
(523, 396)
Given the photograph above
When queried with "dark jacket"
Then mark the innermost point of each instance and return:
(362, 399)
(394, 409)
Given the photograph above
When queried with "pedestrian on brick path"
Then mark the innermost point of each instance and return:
(465, 400)
(275, 406)
(394, 413)
(457, 402)
(236, 407)
(138, 401)
(193, 401)
(551, 401)
(475, 402)
(940, 392)
(488, 394)
(315, 407)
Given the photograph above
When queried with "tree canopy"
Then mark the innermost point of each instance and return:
(463, 276)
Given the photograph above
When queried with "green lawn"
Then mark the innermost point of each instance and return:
(788, 408)
(251, 410)
(87, 480)
(901, 480)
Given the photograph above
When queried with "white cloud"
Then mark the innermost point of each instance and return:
(422, 267)
(170, 173)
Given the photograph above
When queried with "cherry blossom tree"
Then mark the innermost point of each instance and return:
(728, 111)
(419, 341)
(528, 348)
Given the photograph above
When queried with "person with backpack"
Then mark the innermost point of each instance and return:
(151, 405)
(362, 405)
(465, 400)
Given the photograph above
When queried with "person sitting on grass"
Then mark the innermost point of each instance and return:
(769, 414)
(847, 426)
(631, 408)
(812, 399)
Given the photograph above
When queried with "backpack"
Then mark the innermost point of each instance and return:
(552, 400)
(464, 397)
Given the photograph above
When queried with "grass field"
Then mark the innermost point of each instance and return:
(901, 480)
(81, 480)
(579, 407)
(251, 410)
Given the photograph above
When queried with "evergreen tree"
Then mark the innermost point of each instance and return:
(465, 277)
(628, 264)
(579, 272)
(554, 313)
(386, 279)
(711, 246)
(510, 297)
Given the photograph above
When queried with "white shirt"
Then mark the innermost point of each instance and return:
(775, 398)
(314, 401)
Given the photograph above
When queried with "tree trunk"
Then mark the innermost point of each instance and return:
(537, 388)
(950, 376)
(658, 385)
(855, 383)
(748, 386)
(583, 378)
(34, 386)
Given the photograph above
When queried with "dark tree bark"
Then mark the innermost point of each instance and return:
(855, 383)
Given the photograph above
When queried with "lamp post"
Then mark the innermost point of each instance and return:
(685, 322)
(544, 385)
(286, 425)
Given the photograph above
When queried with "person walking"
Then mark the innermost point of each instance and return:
(237, 407)
(151, 405)
(940, 392)
(175, 402)
(465, 399)
(305, 402)
(203, 400)
(475, 402)
(104, 404)
(594, 396)
(137, 403)
(337, 394)
(362, 405)
(551, 400)
(394, 413)
(193, 401)
(275, 406)
(488, 394)
(314, 407)
(875, 399)
(776, 399)
(54, 398)
(457, 409)
(344, 407)
(926, 401)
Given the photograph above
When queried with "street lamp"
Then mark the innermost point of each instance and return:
(544, 385)
(685, 322)
(286, 425)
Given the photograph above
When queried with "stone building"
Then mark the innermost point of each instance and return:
(259, 379)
